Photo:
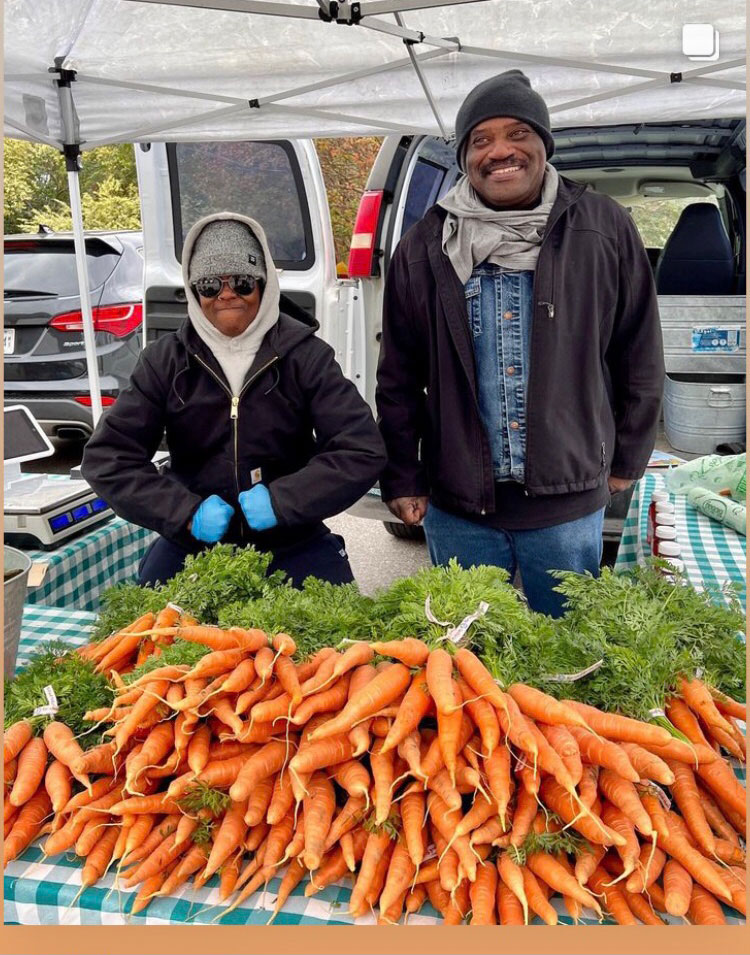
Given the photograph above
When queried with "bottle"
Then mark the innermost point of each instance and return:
(656, 497)
(676, 566)
(669, 549)
(663, 507)
(662, 532)
(664, 519)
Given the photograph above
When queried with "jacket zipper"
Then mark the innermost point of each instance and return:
(234, 414)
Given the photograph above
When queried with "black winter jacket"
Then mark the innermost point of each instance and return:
(300, 427)
(596, 370)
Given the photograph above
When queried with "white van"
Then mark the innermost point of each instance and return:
(655, 170)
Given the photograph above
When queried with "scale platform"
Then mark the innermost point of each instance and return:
(42, 511)
(45, 512)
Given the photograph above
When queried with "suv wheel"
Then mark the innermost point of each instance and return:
(404, 531)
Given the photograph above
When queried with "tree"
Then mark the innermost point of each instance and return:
(36, 188)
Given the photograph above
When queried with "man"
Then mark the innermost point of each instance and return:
(521, 367)
(267, 438)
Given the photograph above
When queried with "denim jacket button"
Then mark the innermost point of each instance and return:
(507, 314)
(511, 370)
(514, 425)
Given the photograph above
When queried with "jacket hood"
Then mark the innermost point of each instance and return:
(271, 292)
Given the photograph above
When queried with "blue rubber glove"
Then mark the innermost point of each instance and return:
(211, 520)
(257, 508)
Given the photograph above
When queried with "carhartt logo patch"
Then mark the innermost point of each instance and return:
(256, 476)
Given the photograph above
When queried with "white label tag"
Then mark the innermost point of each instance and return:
(45, 711)
(656, 714)
(431, 616)
(572, 677)
(256, 476)
(51, 698)
(175, 607)
(661, 796)
(457, 634)
(431, 853)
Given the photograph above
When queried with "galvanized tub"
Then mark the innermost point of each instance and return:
(703, 411)
(16, 567)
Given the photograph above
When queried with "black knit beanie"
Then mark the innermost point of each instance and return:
(509, 94)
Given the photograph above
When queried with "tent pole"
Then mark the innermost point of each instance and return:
(72, 153)
(423, 81)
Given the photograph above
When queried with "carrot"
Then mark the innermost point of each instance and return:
(693, 753)
(282, 798)
(99, 857)
(564, 744)
(641, 908)
(622, 794)
(359, 654)
(483, 894)
(715, 817)
(647, 764)
(449, 730)
(614, 898)
(480, 679)
(156, 803)
(650, 865)
(445, 821)
(332, 867)
(678, 886)
(415, 899)
(720, 779)
(375, 850)
(279, 837)
(98, 759)
(497, 768)
(32, 763)
(526, 809)
(164, 854)
(150, 888)
(410, 750)
(536, 898)
(190, 863)
(381, 870)
(321, 753)
(439, 677)
(145, 838)
(27, 825)
(229, 835)
(512, 876)
(725, 704)
(259, 801)
(704, 909)
(618, 728)
(292, 877)
(352, 813)
(412, 822)
(215, 638)
(618, 822)
(326, 701)
(385, 687)
(433, 760)
(544, 708)
(556, 799)
(61, 743)
(124, 647)
(588, 786)
(414, 707)
(685, 792)
(677, 846)
(152, 693)
(603, 752)
(15, 738)
(509, 909)
(353, 777)
(548, 869)
(698, 698)
(58, 783)
(484, 717)
(401, 870)
(683, 718)
(409, 651)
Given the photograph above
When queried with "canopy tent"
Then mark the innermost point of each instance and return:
(83, 73)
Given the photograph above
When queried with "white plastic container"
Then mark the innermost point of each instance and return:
(665, 532)
(669, 549)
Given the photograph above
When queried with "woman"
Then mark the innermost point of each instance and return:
(266, 436)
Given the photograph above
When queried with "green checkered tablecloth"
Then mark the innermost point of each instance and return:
(45, 892)
(81, 569)
(714, 555)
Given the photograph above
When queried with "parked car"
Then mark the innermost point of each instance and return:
(655, 170)
(45, 358)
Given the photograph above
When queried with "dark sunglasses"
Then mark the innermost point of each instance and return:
(211, 286)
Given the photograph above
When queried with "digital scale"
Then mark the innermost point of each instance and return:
(42, 510)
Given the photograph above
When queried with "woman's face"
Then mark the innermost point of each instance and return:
(229, 312)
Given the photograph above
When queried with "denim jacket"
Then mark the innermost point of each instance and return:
(500, 313)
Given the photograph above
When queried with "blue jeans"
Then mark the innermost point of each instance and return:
(575, 545)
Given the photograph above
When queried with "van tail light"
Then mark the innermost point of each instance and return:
(362, 248)
(118, 320)
(85, 400)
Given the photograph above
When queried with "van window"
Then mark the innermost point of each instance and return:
(655, 219)
(257, 179)
(424, 188)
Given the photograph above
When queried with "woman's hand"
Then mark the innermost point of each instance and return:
(257, 508)
(211, 520)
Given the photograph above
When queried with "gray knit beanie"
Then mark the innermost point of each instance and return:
(509, 94)
(227, 247)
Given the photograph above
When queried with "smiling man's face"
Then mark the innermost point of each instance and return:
(505, 161)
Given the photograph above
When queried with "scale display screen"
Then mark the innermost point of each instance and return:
(60, 522)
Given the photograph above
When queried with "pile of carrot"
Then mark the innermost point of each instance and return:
(406, 768)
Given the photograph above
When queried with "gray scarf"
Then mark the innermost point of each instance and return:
(510, 238)
(234, 355)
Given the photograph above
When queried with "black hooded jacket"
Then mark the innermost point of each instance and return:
(299, 427)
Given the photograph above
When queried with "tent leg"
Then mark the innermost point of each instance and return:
(92, 365)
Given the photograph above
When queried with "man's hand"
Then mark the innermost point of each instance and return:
(618, 484)
(410, 510)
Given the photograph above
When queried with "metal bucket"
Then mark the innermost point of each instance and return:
(16, 567)
(701, 412)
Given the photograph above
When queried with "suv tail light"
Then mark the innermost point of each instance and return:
(118, 320)
(85, 400)
(362, 246)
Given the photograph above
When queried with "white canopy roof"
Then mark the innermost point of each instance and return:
(257, 69)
